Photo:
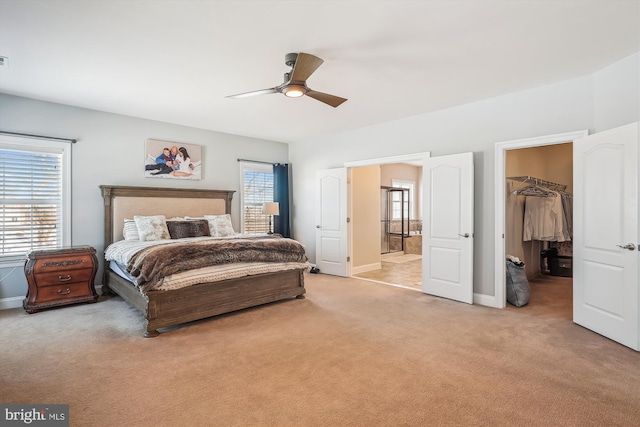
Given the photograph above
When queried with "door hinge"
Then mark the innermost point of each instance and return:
(348, 219)
(348, 259)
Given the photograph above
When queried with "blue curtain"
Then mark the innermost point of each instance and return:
(281, 223)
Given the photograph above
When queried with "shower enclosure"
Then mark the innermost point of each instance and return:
(394, 218)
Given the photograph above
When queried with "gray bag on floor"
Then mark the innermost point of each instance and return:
(518, 291)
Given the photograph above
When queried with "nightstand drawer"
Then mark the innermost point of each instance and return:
(63, 277)
(62, 292)
(63, 263)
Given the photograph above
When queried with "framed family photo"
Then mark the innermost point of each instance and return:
(172, 160)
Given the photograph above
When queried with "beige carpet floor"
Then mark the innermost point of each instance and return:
(354, 353)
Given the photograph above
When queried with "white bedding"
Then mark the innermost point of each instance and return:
(216, 273)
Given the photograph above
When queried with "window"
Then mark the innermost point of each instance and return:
(257, 188)
(398, 205)
(34, 197)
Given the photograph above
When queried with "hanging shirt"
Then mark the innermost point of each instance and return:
(543, 219)
(567, 209)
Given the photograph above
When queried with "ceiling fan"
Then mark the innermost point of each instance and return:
(295, 82)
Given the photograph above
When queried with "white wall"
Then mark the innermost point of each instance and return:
(365, 218)
(615, 92)
(562, 107)
(110, 150)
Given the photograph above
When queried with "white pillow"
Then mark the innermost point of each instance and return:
(152, 227)
(220, 225)
(130, 231)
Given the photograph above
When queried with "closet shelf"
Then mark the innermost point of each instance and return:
(541, 182)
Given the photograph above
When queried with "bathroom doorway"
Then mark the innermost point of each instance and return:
(387, 195)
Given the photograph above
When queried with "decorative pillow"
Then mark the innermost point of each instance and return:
(152, 227)
(220, 225)
(130, 231)
(182, 229)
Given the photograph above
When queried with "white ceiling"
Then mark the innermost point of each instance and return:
(175, 61)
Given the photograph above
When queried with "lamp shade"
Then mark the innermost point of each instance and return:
(271, 208)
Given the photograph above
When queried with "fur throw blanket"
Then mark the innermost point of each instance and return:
(151, 264)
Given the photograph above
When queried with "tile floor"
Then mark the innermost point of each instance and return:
(407, 274)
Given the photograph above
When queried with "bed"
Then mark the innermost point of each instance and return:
(165, 308)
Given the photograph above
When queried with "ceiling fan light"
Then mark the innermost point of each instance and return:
(294, 91)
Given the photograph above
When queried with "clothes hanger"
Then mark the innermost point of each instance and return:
(535, 190)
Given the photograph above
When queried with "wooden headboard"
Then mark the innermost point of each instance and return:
(124, 202)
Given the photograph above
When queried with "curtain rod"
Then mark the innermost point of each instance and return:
(258, 161)
(73, 141)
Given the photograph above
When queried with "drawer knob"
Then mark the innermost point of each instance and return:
(64, 279)
(61, 292)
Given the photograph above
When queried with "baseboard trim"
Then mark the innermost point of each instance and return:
(486, 300)
(9, 303)
(364, 268)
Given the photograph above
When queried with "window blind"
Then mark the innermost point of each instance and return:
(257, 189)
(31, 200)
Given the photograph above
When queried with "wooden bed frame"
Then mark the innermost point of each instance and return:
(168, 308)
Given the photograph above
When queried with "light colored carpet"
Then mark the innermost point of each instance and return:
(401, 259)
(354, 353)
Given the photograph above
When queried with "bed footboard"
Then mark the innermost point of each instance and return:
(169, 308)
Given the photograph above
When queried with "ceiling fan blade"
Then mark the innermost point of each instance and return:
(254, 93)
(332, 100)
(305, 65)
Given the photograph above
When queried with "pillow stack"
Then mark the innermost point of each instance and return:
(157, 227)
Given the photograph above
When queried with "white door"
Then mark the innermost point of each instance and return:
(331, 221)
(447, 262)
(605, 253)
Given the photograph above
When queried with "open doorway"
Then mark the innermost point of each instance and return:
(397, 259)
(447, 198)
(538, 226)
(500, 189)
(385, 211)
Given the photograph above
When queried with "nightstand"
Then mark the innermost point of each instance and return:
(59, 277)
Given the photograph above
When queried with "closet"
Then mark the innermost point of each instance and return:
(539, 211)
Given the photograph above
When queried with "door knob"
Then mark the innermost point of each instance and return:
(317, 226)
(629, 246)
(465, 235)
